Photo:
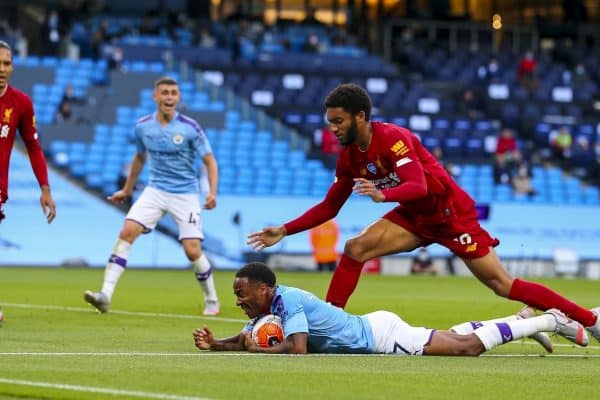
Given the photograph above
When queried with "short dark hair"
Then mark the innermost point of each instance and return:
(257, 272)
(5, 45)
(165, 80)
(351, 98)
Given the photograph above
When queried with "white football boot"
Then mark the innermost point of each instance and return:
(98, 300)
(594, 330)
(569, 329)
(211, 307)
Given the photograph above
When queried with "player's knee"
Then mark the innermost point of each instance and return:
(499, 286)
(355, 249)
(193, 254)
(469, 345)
(128, 234)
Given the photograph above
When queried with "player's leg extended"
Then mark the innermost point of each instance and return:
(488, 336)
(203, 271)
(466, 328)
(115, 266)
(381, 238)
(185, 210)
(142, 217)
(489, 270)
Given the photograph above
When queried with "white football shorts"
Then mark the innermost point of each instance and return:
(392, 335)
(154, 203)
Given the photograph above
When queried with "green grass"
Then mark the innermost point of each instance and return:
(143, 347)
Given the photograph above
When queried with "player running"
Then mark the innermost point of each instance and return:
(171, 141)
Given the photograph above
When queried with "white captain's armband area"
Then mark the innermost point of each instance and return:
(403, 161)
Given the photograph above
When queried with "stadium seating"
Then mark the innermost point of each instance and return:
(241, 142)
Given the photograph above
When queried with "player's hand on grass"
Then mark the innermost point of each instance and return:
(119, 196)
(265, 238)
(47, 203)
(203, 338)
(250, 345)
(364, 187)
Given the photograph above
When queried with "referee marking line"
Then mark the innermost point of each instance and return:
(93, 389)
(121, 312)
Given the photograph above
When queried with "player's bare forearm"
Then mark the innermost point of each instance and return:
(212, 173)
(47, 203)
(293, 344)
(137, 164)
(204, 340)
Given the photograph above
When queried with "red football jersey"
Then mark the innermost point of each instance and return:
(16, 112)
(402, 168)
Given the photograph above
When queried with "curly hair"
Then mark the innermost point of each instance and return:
(351, 98)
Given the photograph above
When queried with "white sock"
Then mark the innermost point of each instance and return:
(204, 276)
(115, 267)
(496, 334)
(466, 328)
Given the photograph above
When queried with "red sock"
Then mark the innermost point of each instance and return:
(344, 281)
(543, 298)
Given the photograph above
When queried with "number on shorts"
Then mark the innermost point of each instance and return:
(194, 218)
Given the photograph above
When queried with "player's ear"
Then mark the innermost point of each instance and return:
(360, 116)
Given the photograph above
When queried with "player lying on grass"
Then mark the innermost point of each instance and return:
(312, 326)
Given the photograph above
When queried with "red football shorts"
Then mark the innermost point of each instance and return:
(459, 231)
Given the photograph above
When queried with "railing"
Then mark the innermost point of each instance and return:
(478, 35)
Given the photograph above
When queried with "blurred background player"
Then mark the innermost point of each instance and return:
(389, 164)
(16, 112)
(324, 240)
(422, 263)
(171, 141)
(312, 326)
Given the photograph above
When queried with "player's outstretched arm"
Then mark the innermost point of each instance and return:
(205, 340)
(266, 238)
(47, 203)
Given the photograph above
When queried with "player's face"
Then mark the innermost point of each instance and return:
(253, 298)
(166, 98)
(6, 68)
(343, 125)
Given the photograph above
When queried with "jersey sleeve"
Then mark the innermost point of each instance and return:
(200, 141)
(139, 142)
(294, 319)
(28, 131)
(408, 168)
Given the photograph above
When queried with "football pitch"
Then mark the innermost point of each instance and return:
(55, 346)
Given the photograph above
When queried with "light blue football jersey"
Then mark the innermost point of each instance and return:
(330, 329)
(172, 150)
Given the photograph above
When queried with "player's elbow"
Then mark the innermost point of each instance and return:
(420, 190)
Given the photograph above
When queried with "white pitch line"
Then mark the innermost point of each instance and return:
(121, 312)
(242, 354)
(92, 389)
(184, 316)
